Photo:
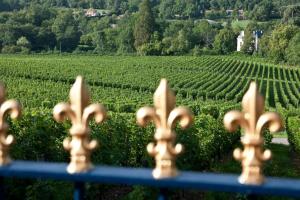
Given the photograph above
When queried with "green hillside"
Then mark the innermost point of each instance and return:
(125, 83)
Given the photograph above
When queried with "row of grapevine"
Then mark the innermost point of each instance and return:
(192, 78)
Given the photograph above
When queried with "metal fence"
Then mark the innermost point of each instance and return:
(165, 175)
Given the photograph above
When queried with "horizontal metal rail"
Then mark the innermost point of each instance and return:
(141, 176)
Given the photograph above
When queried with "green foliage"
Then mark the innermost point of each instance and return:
(204, 34)
(150, 49)
(215, 14)
(66, 30)
(181, 44)
(225, 41)
(126, 40)
(249, 43)
(291, 14)
(220, 81)
(293, 132)
(279, 41)
(263, 10)
(178, 38)
(263, 49)
(63, 26)
(24, 45)
(11, 49)
(23, 42)
(122, 143)
(293, 50)
(166, 9)
(267, 137)
(145, 24)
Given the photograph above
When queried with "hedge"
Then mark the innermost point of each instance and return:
(122, 143)
(293, 132)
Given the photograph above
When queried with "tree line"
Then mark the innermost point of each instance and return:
(165, 8)
(148, 27)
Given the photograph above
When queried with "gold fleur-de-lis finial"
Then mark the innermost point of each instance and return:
(164, 116)
(79, 112)
(252, 120)
(13, 108)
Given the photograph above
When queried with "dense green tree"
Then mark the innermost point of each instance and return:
(111, 36)
(214, 4)
(125, 37)
(145, 24)
(291, 14)
(293, 50)
(191, 8)
(45, 38)
(249, 42)
(225, 41)
(126, 40)
(66, 31)
(154, 47)
(182, 43)
(166, 9)
(178, 37)
(23, 42)
(99, 41)
(46, 25)
(179, 45)
(263, 10)
(263, 49)
(3, 6)
(182, 7)
(36, 14)
(133, 5)
(279, 41)
(86, 39)
(204, 34)
(7, 34)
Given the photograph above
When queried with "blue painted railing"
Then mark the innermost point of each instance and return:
(141, 176)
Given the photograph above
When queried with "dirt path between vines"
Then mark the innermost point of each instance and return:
(283, 141)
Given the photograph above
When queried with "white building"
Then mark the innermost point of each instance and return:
(91, 13)
(240, 41)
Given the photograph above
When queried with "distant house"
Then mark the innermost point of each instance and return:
(229, 12)
(240, 13)
(91, 13)
(240, 39)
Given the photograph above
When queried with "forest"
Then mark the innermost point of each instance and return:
(166, 27)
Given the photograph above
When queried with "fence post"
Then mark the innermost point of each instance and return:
(163, 194)
(79, 190)
(2, 196)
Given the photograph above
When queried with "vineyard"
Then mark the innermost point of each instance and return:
(208, 85)
(123, 84)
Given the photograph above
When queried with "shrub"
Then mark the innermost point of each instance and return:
(122, 143)
(293, 132)
(149, 49)
(10, 49)
(267, 137)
